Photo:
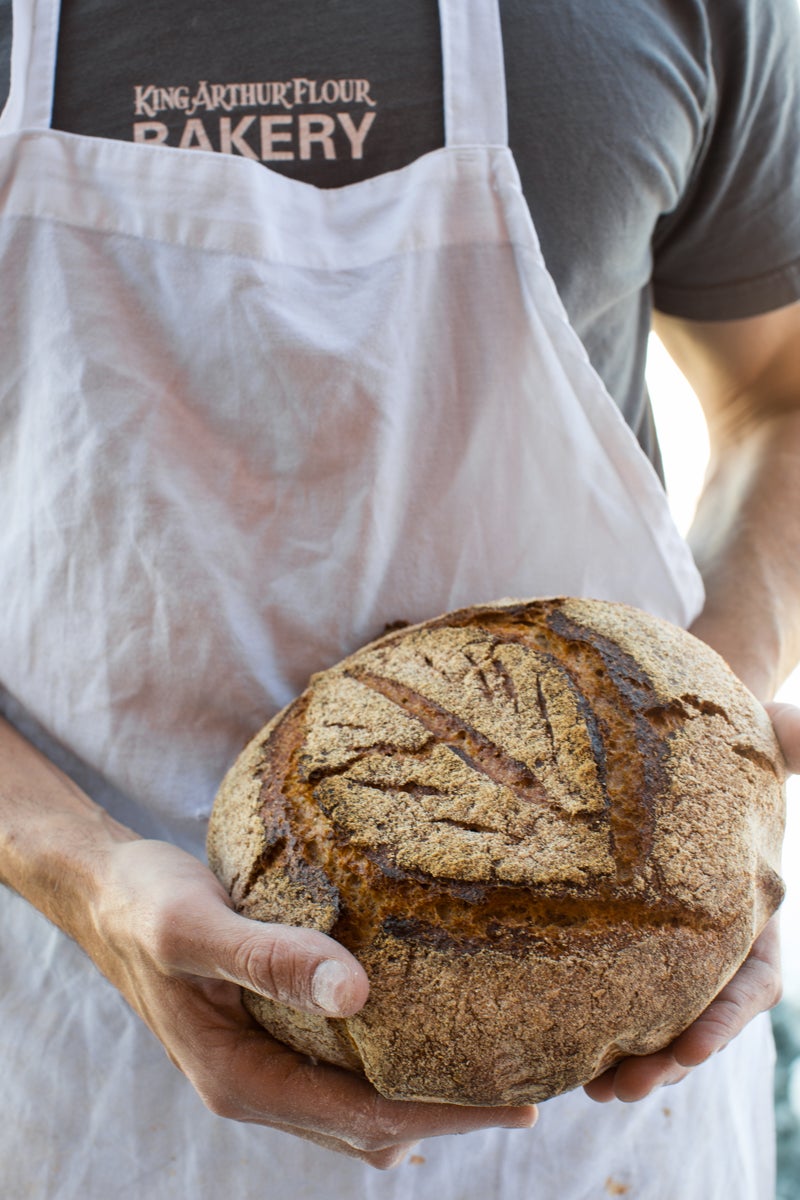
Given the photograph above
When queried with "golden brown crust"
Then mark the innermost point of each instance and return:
(535, 824)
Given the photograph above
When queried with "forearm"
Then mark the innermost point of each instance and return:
(746, 539)
(54, 840)
(746, 535)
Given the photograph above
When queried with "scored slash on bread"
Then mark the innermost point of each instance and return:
(549, 830)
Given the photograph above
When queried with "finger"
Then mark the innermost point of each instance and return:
(755, 987)
(299, 967)
(382, 1160)
(633, 1078)
(601, 1089)
(786, 722)
(636, 1078)
(374, 1122)
(264, 1082)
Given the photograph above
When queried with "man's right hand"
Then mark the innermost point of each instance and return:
(165, 934)
(160, 926)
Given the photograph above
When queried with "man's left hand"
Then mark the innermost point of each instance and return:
(754, 988)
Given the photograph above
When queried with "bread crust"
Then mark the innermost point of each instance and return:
(549, 830)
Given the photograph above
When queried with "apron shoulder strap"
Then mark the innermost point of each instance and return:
(34, 42)
(474, 73)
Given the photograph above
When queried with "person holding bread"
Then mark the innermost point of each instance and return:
(317, 319)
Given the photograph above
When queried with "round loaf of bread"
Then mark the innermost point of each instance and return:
(549, 831)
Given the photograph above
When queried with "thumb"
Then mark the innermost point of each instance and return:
(786, 722)
(299, 967)
(194, 930)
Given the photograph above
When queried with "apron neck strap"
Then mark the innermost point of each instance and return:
(474, 73)
(33, 65)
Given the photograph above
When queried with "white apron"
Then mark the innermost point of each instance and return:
(245, 423)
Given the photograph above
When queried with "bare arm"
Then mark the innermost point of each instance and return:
(746, 539)
(746, 535)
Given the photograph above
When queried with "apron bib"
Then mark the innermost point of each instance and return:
(246, 423)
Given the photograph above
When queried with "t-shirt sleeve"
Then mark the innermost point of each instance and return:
(732, 247)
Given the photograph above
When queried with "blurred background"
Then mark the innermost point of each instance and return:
(684, 444)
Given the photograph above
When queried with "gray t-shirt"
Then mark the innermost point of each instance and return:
(657, 140)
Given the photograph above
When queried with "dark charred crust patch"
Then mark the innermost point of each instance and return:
(545, 717)
(629, 678)
(448, 730)
(639, 764)
(405, 929)
(315, 774)
(314, 881)
(555, 931)
(466, 912)
(267, 860)
(508, 684)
